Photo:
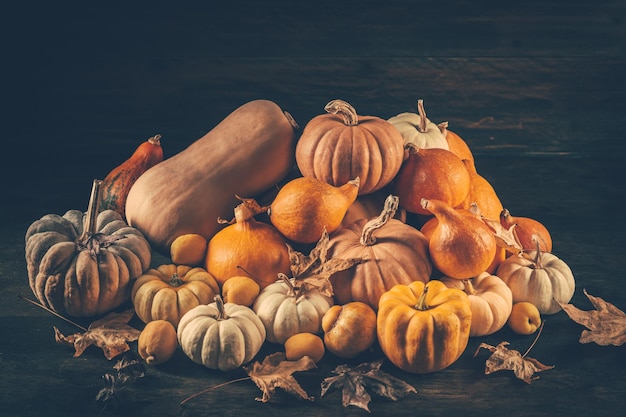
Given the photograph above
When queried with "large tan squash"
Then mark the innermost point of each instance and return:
(247, 153)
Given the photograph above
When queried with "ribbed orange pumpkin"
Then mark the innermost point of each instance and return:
(390, 252)
(431, 173)
(341, 145)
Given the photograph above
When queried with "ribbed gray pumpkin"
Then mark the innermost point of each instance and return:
(83, 264)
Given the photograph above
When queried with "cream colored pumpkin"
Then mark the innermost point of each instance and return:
(417, 129)
(221, 336)
(540, 278)
(490, 299)
(286, 309)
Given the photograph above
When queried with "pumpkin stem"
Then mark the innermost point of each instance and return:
(422, 113)
(221, 311)
(421, 302)
(443, 128)
(468, 287)
(389, 210)
(292, 289)
(537, 259)
(345, 110)
(93, 209)
(175, 281)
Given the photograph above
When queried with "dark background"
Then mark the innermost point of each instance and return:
(536, 88)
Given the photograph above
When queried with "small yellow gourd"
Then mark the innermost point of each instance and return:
(304, 344)
(157, 342)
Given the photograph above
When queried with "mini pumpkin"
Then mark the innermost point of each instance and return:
(169, 291)
(221, 335)
(418, 130)
(540, 278)
(84, 264)
(287, 308)
(490, 299)
(423, 328)
(341, 145)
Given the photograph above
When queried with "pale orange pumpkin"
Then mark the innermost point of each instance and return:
(490, 299)
(389, 251)
(341, 145)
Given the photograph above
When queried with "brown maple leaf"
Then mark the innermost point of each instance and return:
(606, 325)
(503, 358)
(354, 383)
(276, 372)
(313, 271)
(111, 334)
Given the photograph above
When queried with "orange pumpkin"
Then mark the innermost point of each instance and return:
(341, 145)
(432, 173)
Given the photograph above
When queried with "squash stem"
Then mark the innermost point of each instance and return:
(421, 302)
(345, 110)
(221, 311)
(468, 287)
(389, 210)
(292, 289)
(155, 140)
(175, 281)
(422, 112)
(92, 211)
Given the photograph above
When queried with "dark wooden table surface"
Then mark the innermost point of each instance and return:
(536, 88)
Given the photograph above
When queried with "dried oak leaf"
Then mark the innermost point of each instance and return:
(355, 382)
(313, 271)
(606, 324)
(276, 372)
(503, 358)
(111, 334)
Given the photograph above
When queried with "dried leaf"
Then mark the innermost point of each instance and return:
(505, 238)
(276, 372)
(503, 358)
(606, 324)
(116, 384)
(314, 270)
(111, 334)
(355, 382)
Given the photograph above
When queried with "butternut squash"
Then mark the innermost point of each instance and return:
(246, 154)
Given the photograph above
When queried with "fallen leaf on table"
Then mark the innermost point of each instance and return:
(355, 382)
(503, 358)
(276, 372)
(111, 334)
(606, 324)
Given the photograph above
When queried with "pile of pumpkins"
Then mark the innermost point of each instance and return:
(432, 257)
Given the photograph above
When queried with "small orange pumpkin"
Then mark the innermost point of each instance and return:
(432, 173)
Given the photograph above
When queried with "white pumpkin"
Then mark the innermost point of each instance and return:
(221, 336)
(286, 309)
(417, 129)
(491, 301)
(540, 278)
